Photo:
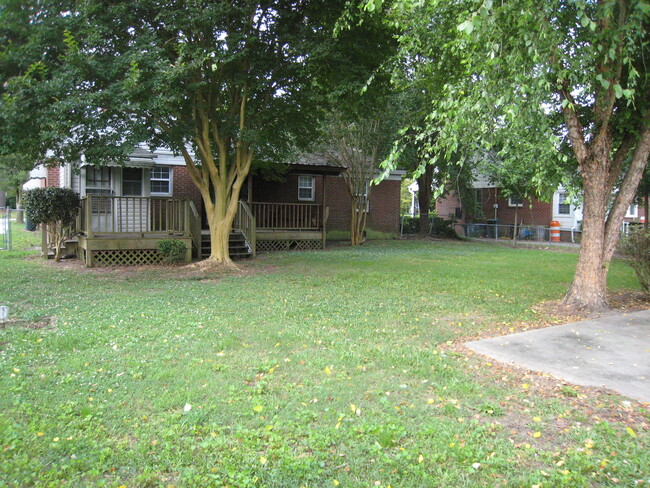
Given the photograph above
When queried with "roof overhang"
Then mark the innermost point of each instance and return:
(139, 158)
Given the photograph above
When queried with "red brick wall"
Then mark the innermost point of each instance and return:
(183, 187)
(534, 212)
(384, 212)
(53, 177)
(446, 207)
(284, 191)
(338, 201)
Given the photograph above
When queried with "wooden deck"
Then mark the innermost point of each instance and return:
(126, 230)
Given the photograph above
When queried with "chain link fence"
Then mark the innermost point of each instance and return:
(10, 219)
(5, 229)
(537, 233)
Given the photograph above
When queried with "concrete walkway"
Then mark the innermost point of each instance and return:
(612, 352)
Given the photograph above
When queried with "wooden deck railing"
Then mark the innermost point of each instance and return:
(247, 224)
(195, 227)
(288, 216)
(102, 214)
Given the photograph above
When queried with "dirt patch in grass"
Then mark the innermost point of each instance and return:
(44, 323)
(199, 271)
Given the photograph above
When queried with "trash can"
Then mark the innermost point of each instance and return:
(29, 225)
(492, 229)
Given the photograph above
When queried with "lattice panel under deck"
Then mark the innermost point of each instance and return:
(131, 257)
(297, 245)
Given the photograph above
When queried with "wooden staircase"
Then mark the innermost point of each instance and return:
(239, 247)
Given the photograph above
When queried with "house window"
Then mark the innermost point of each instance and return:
(363, 195)
(306, 188)
(98, 182)
(563, 206)
(632, 212)
(515, 202)
(161, 180)
(132, 182)
(98, 179)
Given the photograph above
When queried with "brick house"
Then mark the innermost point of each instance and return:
(129, 208)
(495, 208)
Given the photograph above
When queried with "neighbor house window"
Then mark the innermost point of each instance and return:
(306, 188)
(632, 212)
(132, 182)
(515, 202)
(563, 206)
(161, 180)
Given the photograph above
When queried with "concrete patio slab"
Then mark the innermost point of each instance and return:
(612, 351)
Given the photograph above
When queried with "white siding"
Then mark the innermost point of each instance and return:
(570, 220)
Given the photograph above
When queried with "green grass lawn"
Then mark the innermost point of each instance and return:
(312, 369)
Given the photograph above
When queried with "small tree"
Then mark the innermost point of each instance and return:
(57, 208)
(354, 147)
(635, 249)
(14, 173)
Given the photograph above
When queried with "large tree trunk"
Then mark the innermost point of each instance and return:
(425, 181)
(221, 214)
(589, 287)
(600, 227)
(219, 179)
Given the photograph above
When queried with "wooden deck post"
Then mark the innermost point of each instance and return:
(186, 219)
(326, 214)
(88, 218)
(325, 210)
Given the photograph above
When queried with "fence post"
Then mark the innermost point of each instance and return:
(8, 229)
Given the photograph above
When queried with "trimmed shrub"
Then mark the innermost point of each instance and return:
(443, 228)
(635, 249)
(172, 250)
(57, 208)
(439, 227)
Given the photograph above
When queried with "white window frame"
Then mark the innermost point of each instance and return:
(311, 187)
(632, 211)
(562, 200)
(99, 206)
(513, 203)
(169, 180)
(140, 193)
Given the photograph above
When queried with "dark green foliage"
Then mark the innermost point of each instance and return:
(172, 250)
(49, 205)
(635, 248)
(442, 228)
(438, 227)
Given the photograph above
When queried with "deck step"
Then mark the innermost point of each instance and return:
(238, 246)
